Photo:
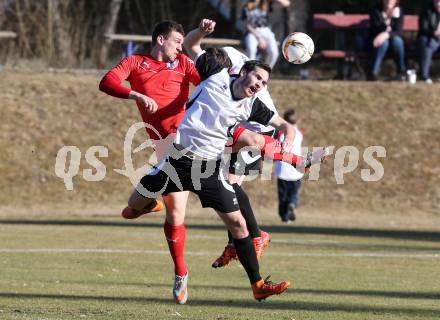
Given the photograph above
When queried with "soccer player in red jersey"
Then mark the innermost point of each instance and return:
(160, 84)
(159, 81)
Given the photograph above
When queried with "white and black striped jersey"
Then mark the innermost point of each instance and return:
(238, 59)
(213, 112)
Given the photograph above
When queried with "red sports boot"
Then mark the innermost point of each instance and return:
(227, 256)
(265, 288)
(260, 243)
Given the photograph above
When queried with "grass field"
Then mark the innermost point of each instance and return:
(105, 268)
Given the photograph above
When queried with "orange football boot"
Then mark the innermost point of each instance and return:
(129, 213)
(227, 256)
(265, 288)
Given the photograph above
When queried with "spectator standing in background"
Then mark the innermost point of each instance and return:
(259, 35)
(428, 41)
(288, 178)
(386, 29)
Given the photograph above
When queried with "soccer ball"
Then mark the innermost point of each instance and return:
(298, 48)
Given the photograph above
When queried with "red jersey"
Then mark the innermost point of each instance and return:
(165, 82)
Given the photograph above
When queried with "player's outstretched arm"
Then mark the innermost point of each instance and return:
(193, 39)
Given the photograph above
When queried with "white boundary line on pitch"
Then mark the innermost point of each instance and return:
(284, 254)
(306, 242)
(293, 241)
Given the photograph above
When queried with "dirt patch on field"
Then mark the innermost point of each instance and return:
(41, 113)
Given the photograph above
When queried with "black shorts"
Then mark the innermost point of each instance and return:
(204, 178)
(246, 163)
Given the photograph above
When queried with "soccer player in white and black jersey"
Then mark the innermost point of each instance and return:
(246, 160)
(250, 141)
(217, 106)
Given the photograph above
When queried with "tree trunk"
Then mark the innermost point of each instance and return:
(62, 38)
(109, 28)
(49, 31)
(2, 13)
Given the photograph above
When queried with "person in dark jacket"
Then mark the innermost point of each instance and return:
(428, 41)
(386, 29)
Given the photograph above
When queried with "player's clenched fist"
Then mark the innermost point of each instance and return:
(207, 26)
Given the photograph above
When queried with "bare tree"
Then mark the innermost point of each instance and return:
(50, 45)
(109, 27)
(59, 31)
(2, 13)
(24, 41)
(62, 38)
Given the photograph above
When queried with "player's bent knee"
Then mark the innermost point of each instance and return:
(250, 138)
(238, 228)
(256, 140)
(235, 223)
(175, 217)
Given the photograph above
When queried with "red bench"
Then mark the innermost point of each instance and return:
(341, 23)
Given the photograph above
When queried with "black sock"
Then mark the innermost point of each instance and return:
(246, 211)
(230, 237)
(248, 258)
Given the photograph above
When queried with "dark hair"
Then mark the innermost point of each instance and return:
(253, 64)
(288, 114)
(220, 56)
(164, 28)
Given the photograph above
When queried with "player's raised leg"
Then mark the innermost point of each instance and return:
(271, 148)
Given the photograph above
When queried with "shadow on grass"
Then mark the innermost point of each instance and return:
(404, 249)
(373, 233)
(428, 295)
(247, 303)
(355, 232)
(373, 293)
